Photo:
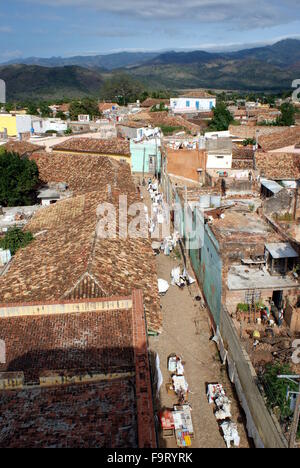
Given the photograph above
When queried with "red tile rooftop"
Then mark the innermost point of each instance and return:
(278, 166)
(113, 146)
(67, 260)
(84, 173)
(98, 341)
(94, 415)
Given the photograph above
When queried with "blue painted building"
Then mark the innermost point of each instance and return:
(146, 156)
(207, 264)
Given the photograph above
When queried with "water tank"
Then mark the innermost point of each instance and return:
(215, 201)
(204, 201)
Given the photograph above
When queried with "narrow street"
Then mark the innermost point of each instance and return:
(186, 332)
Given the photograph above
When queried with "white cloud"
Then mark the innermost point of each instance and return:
(246, 13)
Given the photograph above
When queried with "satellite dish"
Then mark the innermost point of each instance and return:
(2, 92)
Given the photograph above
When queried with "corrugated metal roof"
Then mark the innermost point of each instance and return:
(281, 250)
(271, 185)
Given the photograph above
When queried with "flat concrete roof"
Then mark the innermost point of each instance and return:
(242, 278)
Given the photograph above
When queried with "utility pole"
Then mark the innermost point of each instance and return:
(295, 379)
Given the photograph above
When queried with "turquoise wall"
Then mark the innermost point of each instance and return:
(207, 265)
(137, 155)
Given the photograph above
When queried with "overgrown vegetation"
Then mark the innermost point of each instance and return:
(19, 179)
(222, 117)
(276, 389)
(169, 130)
(84, 107)
(121, 88)
(15, 239)
(249, 142)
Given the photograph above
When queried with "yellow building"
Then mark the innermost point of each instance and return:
(15, 124)
(8, 122)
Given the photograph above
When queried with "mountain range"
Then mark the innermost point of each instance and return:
(269, 68)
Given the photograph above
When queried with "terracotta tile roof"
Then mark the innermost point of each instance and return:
(64, 107)
(249, 131)
(287, 137)
(22, 147)
(198, 94)
(96, 146)
(83, 173)
(150, 102)
(68, 260)
(104, 106)
(242, 152)
(102, 414)
(278, 166)
(157, 119)
(65, 342)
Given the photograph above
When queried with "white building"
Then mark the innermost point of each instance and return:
(219, 152)
(40, 125)
(190, 103)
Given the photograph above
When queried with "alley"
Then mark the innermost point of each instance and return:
(186, 332)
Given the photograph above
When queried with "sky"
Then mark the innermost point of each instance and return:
(46, 28)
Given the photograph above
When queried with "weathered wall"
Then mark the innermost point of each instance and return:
(233, 298)
(280, 203)
(292, 318)
(185, 163)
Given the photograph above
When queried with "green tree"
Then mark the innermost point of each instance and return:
(287, 117)
(15, 239)
(60, 115)
(45, 110)
(121, 88)
(86, 106)
(32, 109)
(19, 179)
(222, 117)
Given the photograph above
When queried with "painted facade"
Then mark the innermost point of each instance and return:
(190, 104)
(146, 156)
(207, 265)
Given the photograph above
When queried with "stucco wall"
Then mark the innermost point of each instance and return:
(10, 123)
(140, 156)
(184, 163)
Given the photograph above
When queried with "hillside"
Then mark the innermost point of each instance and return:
(25, 82)
(270, 68)
(103, 62)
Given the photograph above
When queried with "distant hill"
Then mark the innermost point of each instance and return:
(31, 81)
(104, 62)
(270, 68)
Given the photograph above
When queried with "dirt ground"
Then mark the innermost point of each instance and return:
(186, 332)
